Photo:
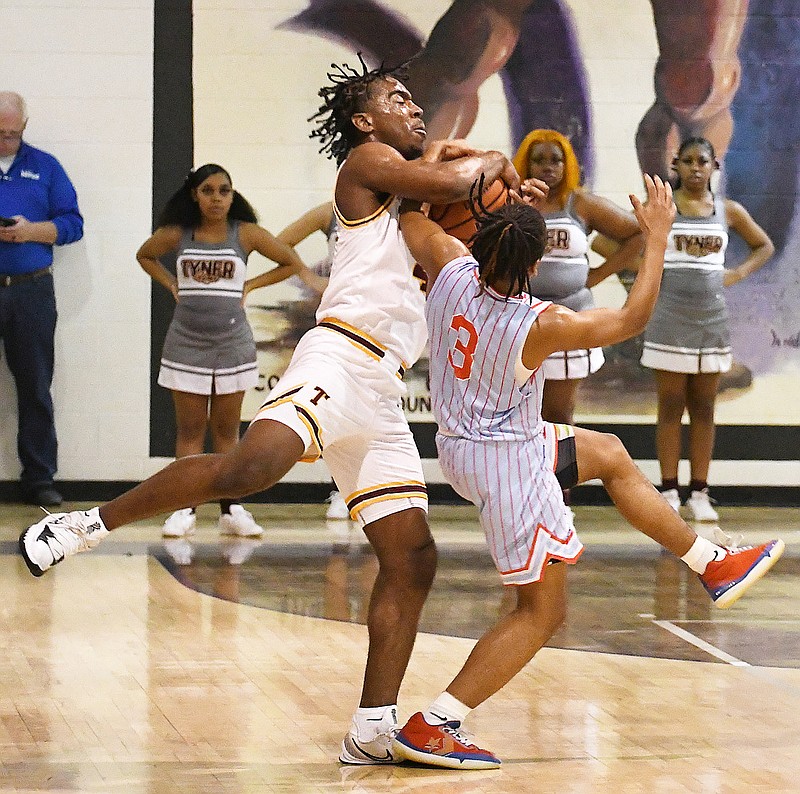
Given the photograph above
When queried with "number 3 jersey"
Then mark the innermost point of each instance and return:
(480, 389)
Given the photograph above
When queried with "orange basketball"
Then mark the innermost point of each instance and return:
(456, 218)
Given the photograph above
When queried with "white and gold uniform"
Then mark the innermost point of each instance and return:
(341, 392)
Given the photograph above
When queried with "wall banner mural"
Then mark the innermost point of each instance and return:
(624, 81)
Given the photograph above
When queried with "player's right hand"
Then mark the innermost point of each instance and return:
(656, 215)
(534, 192)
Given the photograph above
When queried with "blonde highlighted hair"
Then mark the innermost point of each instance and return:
(572, 170)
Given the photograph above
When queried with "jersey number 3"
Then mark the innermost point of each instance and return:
(465, 347)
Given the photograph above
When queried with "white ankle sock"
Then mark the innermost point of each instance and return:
(369, 722)
(94, 515)
(702, 552)
(446, 709)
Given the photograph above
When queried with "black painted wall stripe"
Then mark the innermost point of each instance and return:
(173, 156)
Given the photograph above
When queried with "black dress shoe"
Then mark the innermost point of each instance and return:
(46, 496)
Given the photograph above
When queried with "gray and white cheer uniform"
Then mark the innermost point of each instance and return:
(689, 330)
(209, 345)
(561, 278)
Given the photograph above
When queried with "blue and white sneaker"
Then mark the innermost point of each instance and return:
(60, 535)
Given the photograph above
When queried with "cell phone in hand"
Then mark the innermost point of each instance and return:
(6, 221)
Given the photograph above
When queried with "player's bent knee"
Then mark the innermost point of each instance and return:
(238, 476)
(600, 455)
(425, 561)
(545, 616)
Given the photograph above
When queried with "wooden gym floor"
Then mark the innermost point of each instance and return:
(234, 666)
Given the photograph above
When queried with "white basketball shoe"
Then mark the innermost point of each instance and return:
(337, 507)
(239, 522)
(180, 523)
(360, 750)
(60, 535)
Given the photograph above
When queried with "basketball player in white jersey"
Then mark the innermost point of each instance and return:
(488, 339)
(340, 394)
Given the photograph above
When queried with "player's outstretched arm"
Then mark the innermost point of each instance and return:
(561, 329)
(430, 246)
(655, 221)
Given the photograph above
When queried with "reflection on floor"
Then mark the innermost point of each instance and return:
(203, 666)
(620, 592)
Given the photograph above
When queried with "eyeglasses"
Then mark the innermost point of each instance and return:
(11, 135)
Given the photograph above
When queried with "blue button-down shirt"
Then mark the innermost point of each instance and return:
(37, 187)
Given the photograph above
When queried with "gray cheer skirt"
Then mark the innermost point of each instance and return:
(689, 331)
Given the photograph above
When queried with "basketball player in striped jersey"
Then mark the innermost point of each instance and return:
(488, 339)
(340, 395)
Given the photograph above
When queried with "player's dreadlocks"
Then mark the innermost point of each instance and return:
(346, 95)
(508, 241)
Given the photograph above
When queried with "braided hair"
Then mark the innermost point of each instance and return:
(508, 241)
(347, 94)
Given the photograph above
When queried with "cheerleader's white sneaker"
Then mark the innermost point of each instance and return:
(180, 524)
(699, 504)
(337, 507)
(239, 522)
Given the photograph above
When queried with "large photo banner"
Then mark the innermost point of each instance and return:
(624, 81)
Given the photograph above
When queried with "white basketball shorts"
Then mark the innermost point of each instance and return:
(345, 405)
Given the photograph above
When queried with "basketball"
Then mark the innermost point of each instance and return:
(456, 218)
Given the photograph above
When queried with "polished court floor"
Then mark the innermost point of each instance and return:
(234, 666)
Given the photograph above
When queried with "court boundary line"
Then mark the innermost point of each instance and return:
(710, 649)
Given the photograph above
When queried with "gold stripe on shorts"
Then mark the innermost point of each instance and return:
(382, 493)
(360, 340)
(310, 421)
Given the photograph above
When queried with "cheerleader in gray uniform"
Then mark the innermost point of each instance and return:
(209, 356)
(571, 214)
(687, 341)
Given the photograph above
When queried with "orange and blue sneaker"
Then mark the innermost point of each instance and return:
(727, 580)
(440, 745)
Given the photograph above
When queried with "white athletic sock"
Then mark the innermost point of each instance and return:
(94, 515)
(703, 552)
(446, 709)
(369, 722)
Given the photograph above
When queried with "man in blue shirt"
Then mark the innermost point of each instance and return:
(38, 209)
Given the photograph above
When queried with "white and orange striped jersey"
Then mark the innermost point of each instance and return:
(494, 448)
(479, 388)
(373, 291)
